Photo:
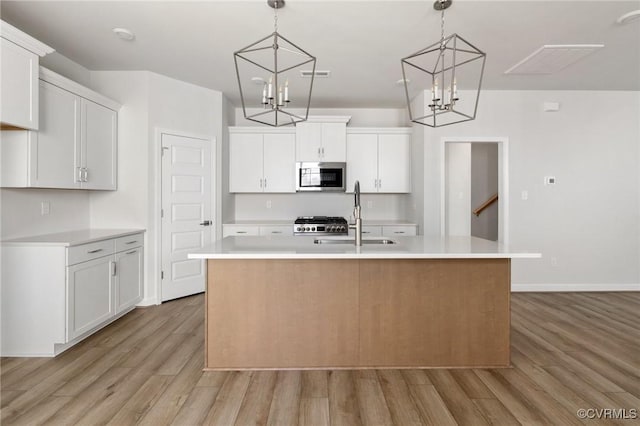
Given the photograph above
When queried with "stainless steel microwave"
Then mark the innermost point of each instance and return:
(321, 176)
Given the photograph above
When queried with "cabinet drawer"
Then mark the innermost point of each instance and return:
(84, 252)
(276, 230)
(240, 230)
(399, 230)
(129, 242)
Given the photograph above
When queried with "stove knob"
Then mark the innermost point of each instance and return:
(313, 229)
(331, 229)
(342, 228)
(298, 229)
(307, 229)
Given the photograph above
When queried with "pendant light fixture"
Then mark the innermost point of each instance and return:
(269, 89)
(449, 73)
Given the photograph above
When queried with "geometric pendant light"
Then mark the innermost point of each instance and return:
(441, 71)
(268, 78)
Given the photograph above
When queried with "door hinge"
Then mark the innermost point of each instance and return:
(164, 148)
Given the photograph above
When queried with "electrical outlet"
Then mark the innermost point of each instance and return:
(369, 204)
(524, 195)
(45, 208)
(554, 261)
(268, 204)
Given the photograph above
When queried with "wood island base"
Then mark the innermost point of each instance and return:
(357, 313)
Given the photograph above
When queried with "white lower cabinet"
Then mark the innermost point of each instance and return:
(129, 278)
(231, 230)
(91, 295)
(54, 294)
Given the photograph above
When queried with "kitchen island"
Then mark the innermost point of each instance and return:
(287, 302)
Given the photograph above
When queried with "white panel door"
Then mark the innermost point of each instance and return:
(279, 162)
(245, 162)
(362, 161)
(394, 163)
(187, 215)
(57, 143)
(99, 146)
(334, 136)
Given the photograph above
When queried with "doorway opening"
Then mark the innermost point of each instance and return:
(474, 190)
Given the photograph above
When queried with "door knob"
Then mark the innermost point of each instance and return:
(206, 223)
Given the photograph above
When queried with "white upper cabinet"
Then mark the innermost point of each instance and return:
(19, 58)
(75, 146)
(380, 159)
(261, 161)
(362, 162)
(98, 146)
(322, 139)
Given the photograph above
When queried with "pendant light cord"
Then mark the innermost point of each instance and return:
(275, 17)
(442, 26)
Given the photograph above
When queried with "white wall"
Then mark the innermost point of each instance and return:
(458, 189)
(587, 226)
(21, 211)
(152, 102)
(289, 206)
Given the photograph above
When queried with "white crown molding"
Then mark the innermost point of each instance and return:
(549, 287)
(328, 119)
(14, 35)
(71, 86)
(261, 130)
(380, 130)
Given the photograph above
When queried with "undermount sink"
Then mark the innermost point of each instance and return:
(352, 242)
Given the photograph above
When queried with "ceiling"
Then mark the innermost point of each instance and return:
(360, 42)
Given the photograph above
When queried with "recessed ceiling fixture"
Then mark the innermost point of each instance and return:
(440, 67)
(277, 59)
(124, 34)
(552, 58)
(628, 17)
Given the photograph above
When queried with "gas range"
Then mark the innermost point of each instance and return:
(320, 225)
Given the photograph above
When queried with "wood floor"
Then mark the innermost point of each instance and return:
(570, 351)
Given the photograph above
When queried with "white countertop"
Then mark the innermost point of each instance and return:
(371, 222)
(303, 247)
(72, 238)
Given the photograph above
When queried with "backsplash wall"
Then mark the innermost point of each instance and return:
(289, 206)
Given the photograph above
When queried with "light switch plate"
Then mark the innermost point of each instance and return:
(45, 208)
(549, 180)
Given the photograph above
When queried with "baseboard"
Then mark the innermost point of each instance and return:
(517, 287)
(149, 301)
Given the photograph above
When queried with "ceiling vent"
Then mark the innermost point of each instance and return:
(552, 58)
(319, 74)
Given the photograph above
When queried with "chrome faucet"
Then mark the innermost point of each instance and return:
(357, 225)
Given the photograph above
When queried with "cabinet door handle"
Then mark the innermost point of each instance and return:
(241, 232)
(265, 182)
(366, 232)
(131, 252)
(398, 232)
(131, 242)
(79, 176)
(206, 223)
(86, 174)
(94, 251)
(113, 268)
(276, 232)
(260, 182)
(322, 152)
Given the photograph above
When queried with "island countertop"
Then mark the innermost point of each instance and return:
(303, 247)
